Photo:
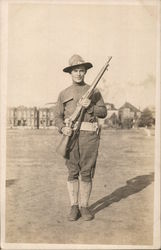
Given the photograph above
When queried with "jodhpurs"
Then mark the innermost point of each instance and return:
(82, 158)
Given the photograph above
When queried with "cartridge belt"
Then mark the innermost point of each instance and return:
(89, 126)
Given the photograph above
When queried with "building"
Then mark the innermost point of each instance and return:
(22, 116)
(111, 110)
(31, 117)
(111, 119)
(11, 117)
(46, 115)
(43, 117)
(129, 115)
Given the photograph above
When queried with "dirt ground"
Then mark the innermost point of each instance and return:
(37, 201)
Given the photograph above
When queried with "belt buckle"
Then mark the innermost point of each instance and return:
(96, 127)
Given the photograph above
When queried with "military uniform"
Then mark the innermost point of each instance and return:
(83, 156)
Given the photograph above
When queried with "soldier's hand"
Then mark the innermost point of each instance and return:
(67, 131)
(85, 102)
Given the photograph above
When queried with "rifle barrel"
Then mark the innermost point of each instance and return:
(96, 80)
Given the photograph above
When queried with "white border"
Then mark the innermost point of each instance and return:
(97, 2)
(3, 105)
(3, 100)
(157, 185)
(72, 246)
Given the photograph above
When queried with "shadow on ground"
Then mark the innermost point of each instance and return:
(133, 186)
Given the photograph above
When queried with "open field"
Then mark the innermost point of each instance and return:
(37, 201)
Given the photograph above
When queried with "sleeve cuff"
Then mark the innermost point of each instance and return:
(90, 110)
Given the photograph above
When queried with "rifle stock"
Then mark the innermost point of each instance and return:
(62, 146)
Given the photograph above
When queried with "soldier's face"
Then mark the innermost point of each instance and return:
(78, 74)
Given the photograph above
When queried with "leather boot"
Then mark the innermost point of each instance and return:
(74, 213)
(86, 214)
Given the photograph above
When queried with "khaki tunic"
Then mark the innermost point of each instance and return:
(82, 158)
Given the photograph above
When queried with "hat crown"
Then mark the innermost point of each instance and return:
(76, 60)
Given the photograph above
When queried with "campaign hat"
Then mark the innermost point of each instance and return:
(76, 61)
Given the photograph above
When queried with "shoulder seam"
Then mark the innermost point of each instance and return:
(64, 90)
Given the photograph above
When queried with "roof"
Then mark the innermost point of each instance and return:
(130, 106)
(22, 107)
(111, 105)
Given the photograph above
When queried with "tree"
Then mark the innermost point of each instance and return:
(127, 123)
(146, 118)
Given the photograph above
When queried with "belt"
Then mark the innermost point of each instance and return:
(89, 126)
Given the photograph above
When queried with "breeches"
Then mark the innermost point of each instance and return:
(83, 156)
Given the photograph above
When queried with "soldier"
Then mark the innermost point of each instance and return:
(82, 158)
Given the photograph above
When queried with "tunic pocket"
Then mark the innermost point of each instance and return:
(68, 99)
(69, 106)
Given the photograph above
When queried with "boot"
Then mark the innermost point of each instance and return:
(73, 189)
(74, 213)
(86, 214)
(85, 191)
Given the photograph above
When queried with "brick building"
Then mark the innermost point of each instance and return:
(22, 117)
(30, 117)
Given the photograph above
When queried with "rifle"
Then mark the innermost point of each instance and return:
(74, 121)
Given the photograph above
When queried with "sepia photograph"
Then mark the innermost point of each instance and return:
(80, 124)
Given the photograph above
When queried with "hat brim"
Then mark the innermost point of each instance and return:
(87, 66)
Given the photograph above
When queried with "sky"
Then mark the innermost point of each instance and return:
(42, 37)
